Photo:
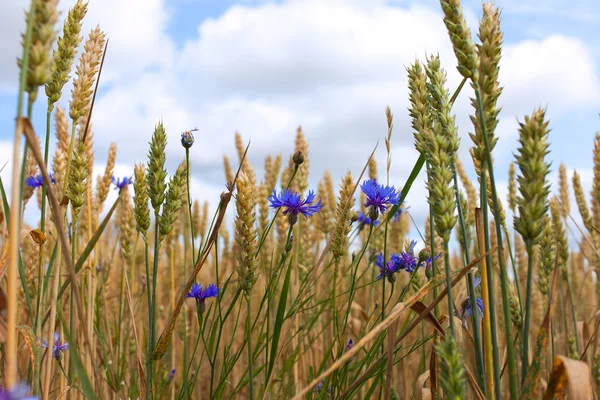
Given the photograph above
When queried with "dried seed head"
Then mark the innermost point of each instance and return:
(86, 72)
(196, 218)
(157, 174)
(339, 242)
(472, 196)
(512, 188)
(63, 141)
(563, 190)
(301, 179)
(204, 219)
(140, 200)
(245, 234)
(560, 237)
(126, 223)
(104, 181)
(596, 181)
(174, 200)
(325, 217)
(582, 202)
(77, 179)
(515, 309)
(272, 173)
(40, 59)
(228, 171)
(533, 186)
(460, 35)
(65, 52)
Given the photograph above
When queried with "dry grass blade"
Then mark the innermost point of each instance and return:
(420, 390)
(572, 376)
(56, 216)
(37, 237)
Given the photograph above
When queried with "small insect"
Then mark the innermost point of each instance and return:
(187, 138)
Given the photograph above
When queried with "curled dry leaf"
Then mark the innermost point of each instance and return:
(569, 375)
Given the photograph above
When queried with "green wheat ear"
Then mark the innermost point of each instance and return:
(452, 371)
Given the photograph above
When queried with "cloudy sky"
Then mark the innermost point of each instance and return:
(265, 67)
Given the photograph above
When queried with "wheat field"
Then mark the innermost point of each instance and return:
(311, 292)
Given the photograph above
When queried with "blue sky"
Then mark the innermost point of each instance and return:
(264, 68)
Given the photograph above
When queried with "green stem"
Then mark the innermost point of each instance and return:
(249, 338)
(189, 196)
(525, 356)
(449, 286)
(573, 315)
(471, 288)
(512, 374)
(490, 278)
(433, 252)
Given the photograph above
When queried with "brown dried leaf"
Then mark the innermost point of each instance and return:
(569, 375)
(419, 395)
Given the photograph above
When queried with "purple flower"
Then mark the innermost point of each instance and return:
(36, 181)
(58, 347)
(428, 264)
(379, 197)
(319, 386)
(408, 260)
(20, 391)
(120, 183)
(187, 138)
(294, 204)
(202, 294)
(171, 376)
(349, 346)
(363, 219)
(387, 270)
(467, 309)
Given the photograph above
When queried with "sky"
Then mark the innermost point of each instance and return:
(263, 68)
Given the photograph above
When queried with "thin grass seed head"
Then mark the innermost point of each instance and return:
(547, 253)
(87, 69)
(174, 200)
(39, 69)
(339, 241)
(512, 188)
(104, 181)
(301, 160)
(64, 55)
(77, 178)
(563, 189)
(196, 218)
(534, 188)
(516, 316)
(460, 36)
(246, 234)
(581, 201)
(141, 210)
(157, 174)
(228, 170)
(560, 237)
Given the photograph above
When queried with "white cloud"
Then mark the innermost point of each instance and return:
(330, 66)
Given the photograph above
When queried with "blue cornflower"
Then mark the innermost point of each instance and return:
(379, 197)
(171, 376)
(408, 260)
(467, 308)
(387, 270)
(294, 204)
(121, 183)
(202, 294)
(187, 138)
(349, 346)
(58, 347)
(364, 219)
(36, 181)
(20, 391)
(429, 263)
